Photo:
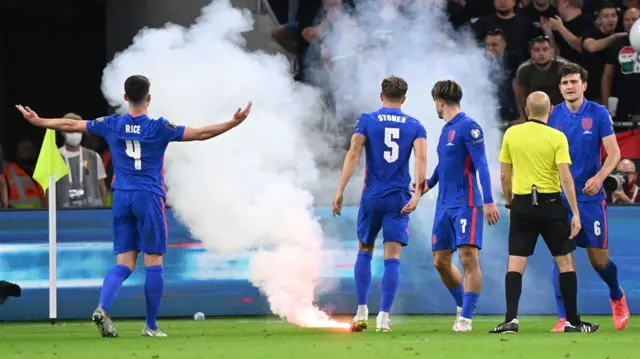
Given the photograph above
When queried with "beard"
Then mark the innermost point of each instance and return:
(440, 115)
(542, 64)
(504, 12)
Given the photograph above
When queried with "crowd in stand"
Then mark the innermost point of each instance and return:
(528, 40)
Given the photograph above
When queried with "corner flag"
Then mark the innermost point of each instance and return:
(50, 162)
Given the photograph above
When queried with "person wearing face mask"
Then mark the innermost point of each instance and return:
(84, 186)
(628, 194)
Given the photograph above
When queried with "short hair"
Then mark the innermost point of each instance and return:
(137, 88)
(72, 116)
(448, 91)
(540, 39)
(607, 4)
(573, 69)
(496, 32)
(394, 88)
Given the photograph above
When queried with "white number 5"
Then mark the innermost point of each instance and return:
(134, 150)
(596, 228)
(463, 224)
(391, 134)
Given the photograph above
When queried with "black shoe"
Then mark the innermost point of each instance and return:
(583, 327)
(506, 328)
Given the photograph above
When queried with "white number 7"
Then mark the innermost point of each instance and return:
(134, 150)
(463, 224)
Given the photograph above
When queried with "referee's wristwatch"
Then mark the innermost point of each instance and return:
(507, 206)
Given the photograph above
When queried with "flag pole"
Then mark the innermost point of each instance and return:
(53, 294)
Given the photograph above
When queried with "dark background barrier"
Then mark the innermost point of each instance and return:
(196, 280)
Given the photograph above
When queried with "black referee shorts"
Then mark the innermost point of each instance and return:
(549, 219)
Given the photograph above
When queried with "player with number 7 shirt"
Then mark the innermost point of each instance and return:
(458, 218)
(137, 144)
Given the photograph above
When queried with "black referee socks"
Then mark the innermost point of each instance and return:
(569, 291)
(513, 289)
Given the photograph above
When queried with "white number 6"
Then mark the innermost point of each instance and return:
(134, 150)
(596, 228)
(463, 224)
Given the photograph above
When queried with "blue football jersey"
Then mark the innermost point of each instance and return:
(390, 135)
(460, 152)
(585, 130)
(137, 146)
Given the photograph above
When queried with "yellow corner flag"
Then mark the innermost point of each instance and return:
(50, 161)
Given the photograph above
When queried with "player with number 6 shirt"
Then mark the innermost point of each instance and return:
(588, 125)
(458, 219)
(137, 143)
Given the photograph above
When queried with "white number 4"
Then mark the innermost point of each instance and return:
(463, 224)
(596, 228)
(134, 150)
(391, 134)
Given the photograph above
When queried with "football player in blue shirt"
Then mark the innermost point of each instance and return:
(587, 125)
(459, 209)
(388, 137)
(137, 145)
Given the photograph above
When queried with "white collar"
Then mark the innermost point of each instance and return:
(69, 154)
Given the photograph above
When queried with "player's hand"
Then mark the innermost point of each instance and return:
(576, 226)
(240, 116)
(337, 204)
(592, 186)
(491, 213)
(411, 205)
(425, 188)
(28, 113)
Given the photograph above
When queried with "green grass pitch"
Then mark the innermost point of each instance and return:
(242, 338)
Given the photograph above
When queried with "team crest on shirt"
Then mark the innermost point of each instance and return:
(587, 124)
(450, 137)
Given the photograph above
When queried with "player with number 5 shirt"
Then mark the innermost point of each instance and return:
(388, 137)
(137, 143)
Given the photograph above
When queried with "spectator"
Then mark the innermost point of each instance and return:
(540, 73)
(27, 156)
(595, 45)
(621, 76)
(629, 194)
(504, 69)
(517, 30)
(84, 186)
(568, 29)
(536, 10)
(4, 191)
(285, 35)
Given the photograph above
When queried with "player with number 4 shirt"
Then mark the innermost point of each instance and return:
(137, 143)
(458, 219)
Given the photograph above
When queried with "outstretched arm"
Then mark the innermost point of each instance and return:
(58, 124)
(211, 131)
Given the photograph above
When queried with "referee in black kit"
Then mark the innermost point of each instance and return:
(538, 158)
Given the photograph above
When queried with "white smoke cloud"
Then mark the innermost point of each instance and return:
(418, 44)
(252, 187)
(246, 190)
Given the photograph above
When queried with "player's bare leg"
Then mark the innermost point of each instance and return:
(608, 271)
(390, 282)
(362, 275)
(126, 262)
(450, 276)
(153, 289)
(469, 257)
